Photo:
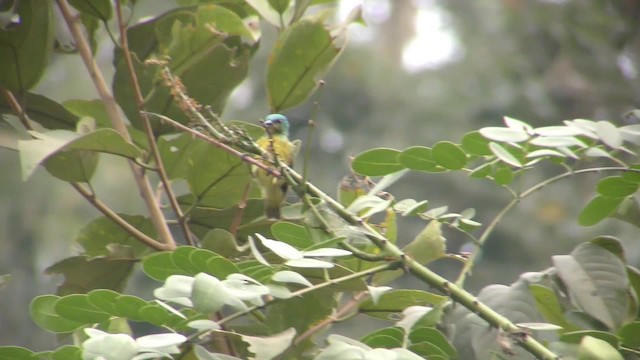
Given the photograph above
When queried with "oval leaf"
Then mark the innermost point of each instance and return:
(301, 54)
(449, 155)
(377, 162)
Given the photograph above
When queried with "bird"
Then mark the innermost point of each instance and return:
(276, 143)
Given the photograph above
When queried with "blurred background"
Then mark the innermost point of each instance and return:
(421, 71)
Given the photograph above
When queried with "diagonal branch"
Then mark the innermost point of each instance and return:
(164, 179)
(142, 182)
(395, 254)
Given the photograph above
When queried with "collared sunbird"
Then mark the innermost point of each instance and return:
(275, 142)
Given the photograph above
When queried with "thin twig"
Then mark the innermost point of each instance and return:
(146, 123)
(243, 156)
(468, 266)
(142, 182)
(337, 316)
(104, 209)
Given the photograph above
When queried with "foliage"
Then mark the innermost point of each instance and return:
(235, 285)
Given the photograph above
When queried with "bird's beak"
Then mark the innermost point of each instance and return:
(268, 123)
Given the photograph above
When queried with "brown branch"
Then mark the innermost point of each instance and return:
(144, 187)
(104, 209)
(164, 179)
(337, 316)
(243, 156)
(14, 104)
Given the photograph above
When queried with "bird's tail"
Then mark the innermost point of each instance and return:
(273, 212)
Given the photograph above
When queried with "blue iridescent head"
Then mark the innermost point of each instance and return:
(277, 124)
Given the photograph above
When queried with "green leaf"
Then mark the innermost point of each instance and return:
(291, 234)
(475, 144)
(43, 313)
(82, 274)
(47, 144)
(633, 175)
(129, 306)
(219, 266)
(177, 152)
(629, 334)
(481, 171)
(575, 337)
(67, 352)
(609, 134)
(72, 166)
(449, 155)
(181, 257)
(395, 301)
(516, 124)
(302, 53)
(204, 218)
(220, 242)
(160, 266)
(78, 308)
(428, 245)
(267, 10)
(418, 158)
(26, 47)
(280, 5)
(598, 209)
(44, 111)
(100, 9)
(104, 300)
(156, 315)
(16, 353)
(377, 162)
(616, 187)
(300, 312)
(388, 338)
(548, 305)
(98, 234)
(596, 349)
(611, 244)
(598, 283)
(504, 134)
(551, 131)
(503, 175)
(434, 337)
(185, 35)
(94, 109)
(545, 153)
(503, 154)
(558, 141)
(216, 178)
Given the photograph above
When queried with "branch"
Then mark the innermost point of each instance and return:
(144, 187)
(104, 209)
(457, 293)
(243, 156)
(468, 266)
(395, 254)
(164, 179)
(337, 316)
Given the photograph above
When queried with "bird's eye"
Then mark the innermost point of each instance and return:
(277, 121)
